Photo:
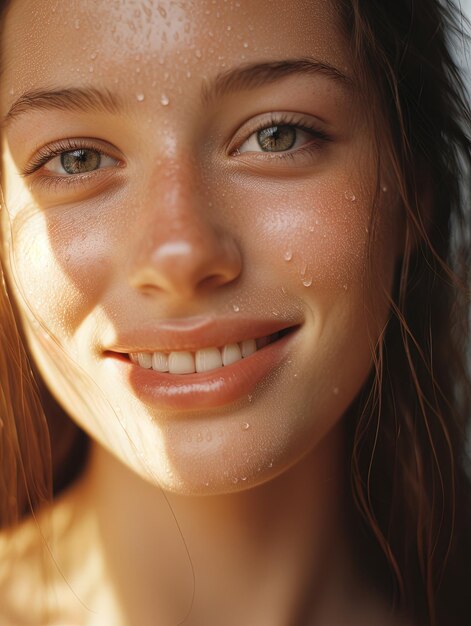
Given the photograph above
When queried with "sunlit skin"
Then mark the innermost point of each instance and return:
(187, 220)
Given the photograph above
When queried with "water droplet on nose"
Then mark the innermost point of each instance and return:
(229, 28)
(345, 287)
(140, 97)
(164, 100)
(275, 313)
(288, 255)
(244, 478)
(307, 282)
(235, 480)
(236, 308)
(350, 196)
(270, 464)
(245, 426)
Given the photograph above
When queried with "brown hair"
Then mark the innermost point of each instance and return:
(409, 437)
(409, 423)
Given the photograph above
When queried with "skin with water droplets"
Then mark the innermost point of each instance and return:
(182, 194)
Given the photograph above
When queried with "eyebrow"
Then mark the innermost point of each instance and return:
(250, 76)
(71, 99)
(255, 75)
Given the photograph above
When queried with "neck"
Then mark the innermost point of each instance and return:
(250, 557)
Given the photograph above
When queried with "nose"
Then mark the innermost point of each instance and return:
(181, 251)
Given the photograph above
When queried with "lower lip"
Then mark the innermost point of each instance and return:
(207, 389)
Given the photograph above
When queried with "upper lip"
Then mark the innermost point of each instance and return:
(195, 333)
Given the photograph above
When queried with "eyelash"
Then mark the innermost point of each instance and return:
(318, 134)
(47, 153)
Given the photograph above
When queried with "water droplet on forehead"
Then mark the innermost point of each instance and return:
(245, 425)
(307, 282)
(350, 196)
(288, 255)
(140, 97)
(164, 100)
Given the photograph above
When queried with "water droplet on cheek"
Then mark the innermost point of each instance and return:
(307, 282)
(164, 100)
(236, 308)
(350, 196)
(245, 426)
(140, 97)
(288, 255)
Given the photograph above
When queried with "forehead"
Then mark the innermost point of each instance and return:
(128, 41)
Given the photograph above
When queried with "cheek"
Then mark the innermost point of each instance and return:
(314, 234)
(60, 264)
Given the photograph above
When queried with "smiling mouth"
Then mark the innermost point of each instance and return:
(205, 359)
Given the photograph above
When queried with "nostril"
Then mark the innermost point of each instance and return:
(214, 280)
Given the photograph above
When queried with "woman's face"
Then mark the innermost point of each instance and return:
(180, 179)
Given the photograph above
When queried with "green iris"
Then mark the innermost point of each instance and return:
(276, 138)
(80, 161)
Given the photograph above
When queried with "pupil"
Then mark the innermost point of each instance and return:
(276, 138)
(80, 161)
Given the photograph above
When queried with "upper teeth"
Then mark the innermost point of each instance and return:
(204, 360)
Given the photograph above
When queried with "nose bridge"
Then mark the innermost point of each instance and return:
(182, 250)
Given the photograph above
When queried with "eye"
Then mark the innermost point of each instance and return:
(277, 138)
(79, 161)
